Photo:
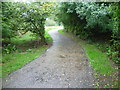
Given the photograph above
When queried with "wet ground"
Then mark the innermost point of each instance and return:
(64, 65)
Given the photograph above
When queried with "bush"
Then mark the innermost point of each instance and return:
(85, 18)
(9, 49)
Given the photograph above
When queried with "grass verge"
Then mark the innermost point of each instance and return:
(61, 31)
(104, 73)
(16, 60)
(25, 52)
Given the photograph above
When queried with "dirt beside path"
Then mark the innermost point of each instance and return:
(64, 65)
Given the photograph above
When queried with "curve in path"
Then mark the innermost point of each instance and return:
(64, 65)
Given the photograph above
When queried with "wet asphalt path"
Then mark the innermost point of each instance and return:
(64, 65)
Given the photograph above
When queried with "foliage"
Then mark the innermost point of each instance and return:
(86, 18)
(36, 24)
(9, 49)
(8, 20)
(18, 18)
(114, 49)
(90, 20)
(25, 17)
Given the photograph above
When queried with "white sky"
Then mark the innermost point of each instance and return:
(57, 0)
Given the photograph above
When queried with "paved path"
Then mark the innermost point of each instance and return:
(64, 65)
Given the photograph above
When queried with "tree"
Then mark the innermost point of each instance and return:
(35, 14)
(25, 17)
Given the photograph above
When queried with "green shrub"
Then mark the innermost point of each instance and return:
(85, 18)
(9, 48)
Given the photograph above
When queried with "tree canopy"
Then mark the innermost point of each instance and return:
(25, 17)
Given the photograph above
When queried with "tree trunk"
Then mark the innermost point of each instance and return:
(43, 40)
